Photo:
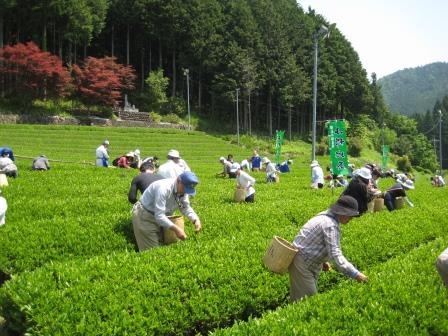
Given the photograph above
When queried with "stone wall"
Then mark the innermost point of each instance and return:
(90, 121)
(134, 116)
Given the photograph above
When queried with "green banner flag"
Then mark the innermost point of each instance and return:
(385, 156)
(279, 135)
(338, 146)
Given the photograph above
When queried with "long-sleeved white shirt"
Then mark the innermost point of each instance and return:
(101, 153)
(317, 175)
(160, 198)
(270, 170)
(246, 181)
(171, 169)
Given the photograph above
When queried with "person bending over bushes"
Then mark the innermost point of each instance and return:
(319, 242)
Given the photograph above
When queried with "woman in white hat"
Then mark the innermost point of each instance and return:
(174, 167)
(244, 181)
(102, 154)
(398, 190)
(317, 175)
(271, 171)
(125, 161)
(360, 188)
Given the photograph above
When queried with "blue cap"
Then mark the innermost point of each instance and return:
(189, 180)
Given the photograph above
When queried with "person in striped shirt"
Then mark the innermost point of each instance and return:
(319, 242)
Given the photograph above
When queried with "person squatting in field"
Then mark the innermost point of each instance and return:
(159, 200)
(319, 242)
(442, 266)
(40, 163)
(317, 175)
(142, 181)
(398, 190)
(102, 154)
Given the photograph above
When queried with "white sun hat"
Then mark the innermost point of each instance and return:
(222, 159)
(174, 154)
(265, 160)
(314, 163)
(363, 172)
(408, 184)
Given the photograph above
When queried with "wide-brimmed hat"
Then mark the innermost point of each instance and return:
(130, 154)
(314, 163)
(146, 165)
(363, 172)
(222, 159)
(174, 154)
(345, 206)
(106, 142)
(189, 180)
(234, 167)
(265, 160)
(408, 184)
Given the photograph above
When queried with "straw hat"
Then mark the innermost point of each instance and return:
(130, 154)
(408, 184)
(314, 163)
(265, 160)
(345, 206)
(222, 159)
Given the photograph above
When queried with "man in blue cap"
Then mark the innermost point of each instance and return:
(160, 200)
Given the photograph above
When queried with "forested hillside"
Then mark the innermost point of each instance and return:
(259, 53)
(415, 90)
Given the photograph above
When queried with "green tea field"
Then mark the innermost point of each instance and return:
(69, 263)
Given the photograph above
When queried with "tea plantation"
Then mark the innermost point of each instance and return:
(69, 251)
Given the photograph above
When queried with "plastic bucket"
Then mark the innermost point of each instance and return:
(240, 194)
(378, 205)
(169, 237)
(399, 202)
(370, 206)
(3, 180)
(279, 255)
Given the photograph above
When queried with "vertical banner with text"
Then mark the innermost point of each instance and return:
(338, 146)
(279, 135)
(385, 156)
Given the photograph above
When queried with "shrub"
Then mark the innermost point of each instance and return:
(354, 146)
(404, 164)
(103, 80)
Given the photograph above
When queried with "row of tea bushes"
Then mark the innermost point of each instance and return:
(196, 286)
(405, 296)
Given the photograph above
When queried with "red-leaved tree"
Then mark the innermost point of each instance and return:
(26, 70)
(103, 80)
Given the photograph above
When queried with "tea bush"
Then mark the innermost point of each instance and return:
(69, 246)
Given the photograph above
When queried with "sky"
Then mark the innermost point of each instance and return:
(389, 35)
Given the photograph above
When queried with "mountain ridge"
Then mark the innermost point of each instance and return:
(415, 90)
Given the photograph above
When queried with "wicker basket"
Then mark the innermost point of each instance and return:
(378, 205)
(279, 255)
(399, 202)
(169, 236)
(3, 180)
(240, 195)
